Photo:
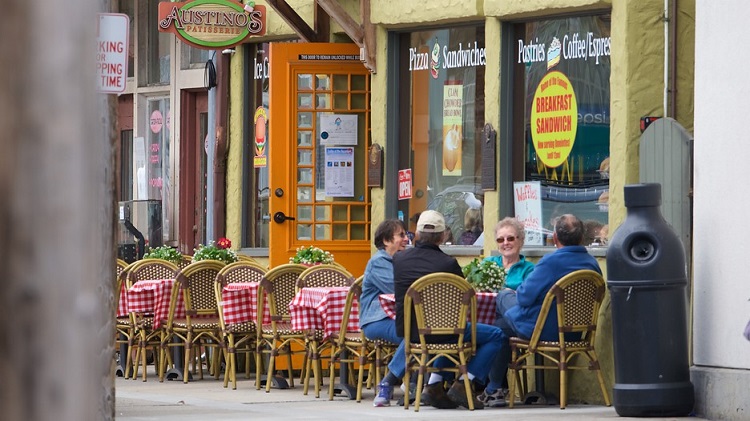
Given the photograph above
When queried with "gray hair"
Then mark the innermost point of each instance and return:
(512, 223)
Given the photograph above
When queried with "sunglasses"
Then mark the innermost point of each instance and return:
(509, 239)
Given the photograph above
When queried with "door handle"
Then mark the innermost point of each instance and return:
(280, 218)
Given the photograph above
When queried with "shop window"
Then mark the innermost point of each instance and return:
(560, 139)
(154, 51)
(255, 163)
(128, 7)
(441, 94)
(193, 58)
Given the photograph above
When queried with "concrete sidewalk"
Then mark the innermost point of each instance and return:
(207, 399)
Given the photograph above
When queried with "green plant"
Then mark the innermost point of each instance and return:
(311, 255)
(167, 253)
(484, 275)
(216, 250)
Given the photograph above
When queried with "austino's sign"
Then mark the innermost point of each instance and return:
(212, 24)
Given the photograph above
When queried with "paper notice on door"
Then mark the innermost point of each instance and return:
(338, 129)
(339, 172)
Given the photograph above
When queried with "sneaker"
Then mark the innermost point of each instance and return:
(385, 393)
(437, 396)
(495, 399)
(457, 393)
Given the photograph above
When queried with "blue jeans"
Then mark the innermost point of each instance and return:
(498, 370)
(489, 342)
(386, 329)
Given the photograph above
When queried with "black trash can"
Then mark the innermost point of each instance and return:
(647, 280)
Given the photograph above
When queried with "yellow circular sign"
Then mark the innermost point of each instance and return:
(554, 119)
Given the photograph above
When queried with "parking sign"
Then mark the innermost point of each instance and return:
(112, 52)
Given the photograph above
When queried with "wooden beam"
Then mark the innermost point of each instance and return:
(370, 37)
(294, 20)
(322, 24)
(350, 26)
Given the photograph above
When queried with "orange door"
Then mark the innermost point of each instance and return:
(319, 129)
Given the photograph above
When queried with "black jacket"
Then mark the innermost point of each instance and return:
(410, 265)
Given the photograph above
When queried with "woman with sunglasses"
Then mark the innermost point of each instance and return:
(509, 235)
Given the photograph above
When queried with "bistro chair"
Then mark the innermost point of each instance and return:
(186, 260)
(125, 330)
(147, 269)
(248, 259)
(440, 303)
(200, 326)
(238, 336)
(354, 347)
(320, 276)
(277, 337)
(577, 298)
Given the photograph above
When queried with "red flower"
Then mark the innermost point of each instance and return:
(224, 243)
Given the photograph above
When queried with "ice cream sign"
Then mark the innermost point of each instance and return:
(441, 57)
(554, 119)
(212, 24)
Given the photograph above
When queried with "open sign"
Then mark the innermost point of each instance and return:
(404, 184)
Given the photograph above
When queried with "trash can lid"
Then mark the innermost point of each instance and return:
(638, 195)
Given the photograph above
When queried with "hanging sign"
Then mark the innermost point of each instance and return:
(212, 24)
(453, 98)
(404, 184)
(261, 119)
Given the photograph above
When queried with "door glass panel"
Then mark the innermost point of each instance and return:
(322, 232)
(304, 120)
(304, 82)
(359, 101)
(304, 232)
(322, 213)
(322, 82)
(357, 213)
(340, 232)
(340, 213)
(304, 213)
(304, 157)
(304, 194)
(357, 232)
(341, 101)
(304, 175)
(304, 101)
(304, 138)
(323, 101)
(359, 83)
(340, 82)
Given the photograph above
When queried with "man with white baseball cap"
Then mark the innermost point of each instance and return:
(426, 258)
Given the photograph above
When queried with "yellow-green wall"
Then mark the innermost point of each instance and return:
(636, 89)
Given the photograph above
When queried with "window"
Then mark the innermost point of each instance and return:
(255, 185)
(560, 140)
(159, 159)
(128, 7)
(442, 94)
(194, 58)
(154, 52)
(126, 165)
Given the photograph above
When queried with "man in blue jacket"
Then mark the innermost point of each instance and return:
(517, 312)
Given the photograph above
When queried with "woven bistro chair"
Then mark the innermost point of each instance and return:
(200, 326)
(440, 303)
(186, 260)
(326, 276)
(147, 269)
(239, 336)
(354, 347)
(124, 328)
(277, 290)
(577, 298)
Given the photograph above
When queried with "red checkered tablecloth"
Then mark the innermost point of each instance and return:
(485, 306)
(122, 306)
(322, 309)
(239, 301)
(152, 297)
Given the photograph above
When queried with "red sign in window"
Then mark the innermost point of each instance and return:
(404, 184)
